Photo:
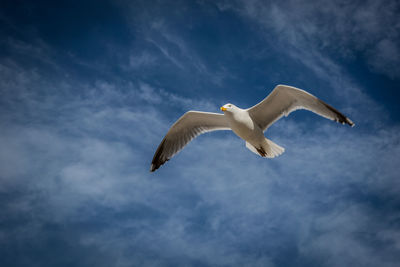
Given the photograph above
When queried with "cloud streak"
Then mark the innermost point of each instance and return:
(214, 217)
(75, 187)
(346, 28)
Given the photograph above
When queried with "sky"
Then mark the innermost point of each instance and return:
(88, 90)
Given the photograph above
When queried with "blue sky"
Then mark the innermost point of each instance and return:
(88, 89)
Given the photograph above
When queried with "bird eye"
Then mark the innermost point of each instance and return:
(229, 106)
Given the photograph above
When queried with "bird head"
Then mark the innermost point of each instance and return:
(228, 107)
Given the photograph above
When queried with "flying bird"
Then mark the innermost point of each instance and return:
(249, 124)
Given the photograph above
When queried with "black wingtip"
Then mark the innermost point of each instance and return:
(157, 159)
(340, 117)
(156, 165)
(350, 122)
(153, 168)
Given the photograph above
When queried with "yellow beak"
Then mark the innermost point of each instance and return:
(223, 109)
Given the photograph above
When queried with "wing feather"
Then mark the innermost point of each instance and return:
(285, 99)
(186, 128)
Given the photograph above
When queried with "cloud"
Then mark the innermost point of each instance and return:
(75, 185)
(171, 47)
(384, 58)
(347, 28)
(142, 60)
(167, 54)
(188, 212)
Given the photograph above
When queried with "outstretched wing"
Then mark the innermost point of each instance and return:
(186, 128)
(285, 99)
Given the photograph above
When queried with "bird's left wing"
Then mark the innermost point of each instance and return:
(285, 99)
(187, 127)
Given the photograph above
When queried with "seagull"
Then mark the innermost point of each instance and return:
(249, 124)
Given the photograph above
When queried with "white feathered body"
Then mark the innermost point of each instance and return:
(243, 126)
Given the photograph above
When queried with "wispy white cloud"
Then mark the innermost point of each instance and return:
(167, 54)
(385, 57)
(75, 155)
(237, 204)
(345, 27)
(141, 59)
(173, 48)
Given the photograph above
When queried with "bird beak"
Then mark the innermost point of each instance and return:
(223, 108)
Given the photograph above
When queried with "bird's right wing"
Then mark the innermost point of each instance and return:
(187, 127)
(285, 99)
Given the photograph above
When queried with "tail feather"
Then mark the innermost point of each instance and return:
(267, 149)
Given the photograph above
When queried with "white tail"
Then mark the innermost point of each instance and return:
(267, 149)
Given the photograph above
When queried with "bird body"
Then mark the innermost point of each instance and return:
(249, 124)
(241, 123)
(244, 126)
